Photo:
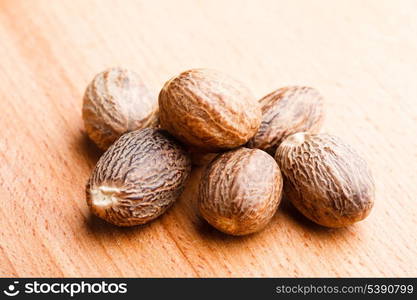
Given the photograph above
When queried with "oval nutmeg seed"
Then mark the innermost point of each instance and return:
(286, 111)
(208, 110)
(240, 191)
(325, 179)
(138, 178)
(115, 102)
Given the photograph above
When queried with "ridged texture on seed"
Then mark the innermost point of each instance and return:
(286, 111)
(240, 191)
(138, 178)
(209, 110)
(326, 179)
(115, 102)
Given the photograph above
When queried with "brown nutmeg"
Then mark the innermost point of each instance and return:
(325, 179)
(286, 111)
(240, 191)
(208, 110)
(199, 158)
(138, 178)
(116, 102)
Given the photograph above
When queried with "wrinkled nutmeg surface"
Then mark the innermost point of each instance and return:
(208, 110)
(115, 102)
(138, 178)
(325, 179)
(240, 191)
(287, 111)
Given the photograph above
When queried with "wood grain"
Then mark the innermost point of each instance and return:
(361, 55)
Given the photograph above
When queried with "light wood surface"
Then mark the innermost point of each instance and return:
(362, 56)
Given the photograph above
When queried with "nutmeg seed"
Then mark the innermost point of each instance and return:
(138, 178)
(325, 179)
(208, 110)
(240, 191)
(286, 111)
(115, 102)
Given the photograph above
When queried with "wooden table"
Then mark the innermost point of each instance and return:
(362, 56)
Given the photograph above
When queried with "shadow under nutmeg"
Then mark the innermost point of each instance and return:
(85, 146)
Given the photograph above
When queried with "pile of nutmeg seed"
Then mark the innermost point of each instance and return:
(256, 151)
